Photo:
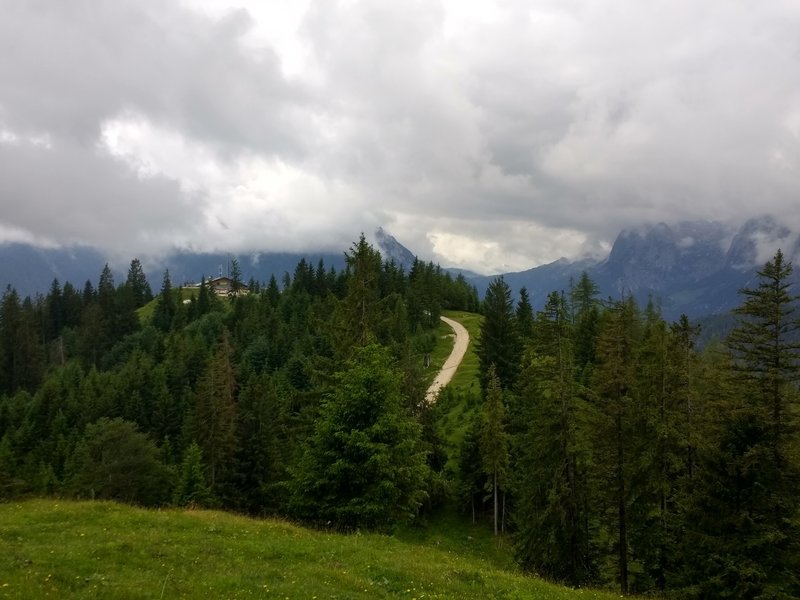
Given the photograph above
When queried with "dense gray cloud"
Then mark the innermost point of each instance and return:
(493, 136)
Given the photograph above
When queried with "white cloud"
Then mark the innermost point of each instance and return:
(492, 135)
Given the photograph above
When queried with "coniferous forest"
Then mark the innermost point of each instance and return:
(603, 442)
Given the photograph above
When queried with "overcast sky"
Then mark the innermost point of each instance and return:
(489, 135)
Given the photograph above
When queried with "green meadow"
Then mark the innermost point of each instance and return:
(65, 549)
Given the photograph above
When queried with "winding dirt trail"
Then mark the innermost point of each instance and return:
(451, 364)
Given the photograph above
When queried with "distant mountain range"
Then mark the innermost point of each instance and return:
(31, 270)
(695, 268)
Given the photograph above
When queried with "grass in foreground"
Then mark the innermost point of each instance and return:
(57, 549)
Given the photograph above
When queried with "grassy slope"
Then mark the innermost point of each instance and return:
(442, 350)
(466, 378)
(458, 408)
(145, 313)
(57, 549)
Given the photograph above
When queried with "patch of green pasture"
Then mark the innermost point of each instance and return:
(441, 351)
(145, 313)
(461, 398)
(466, 377)
(58, 549)
(449, 530)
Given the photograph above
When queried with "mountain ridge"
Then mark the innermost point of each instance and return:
(691, 267)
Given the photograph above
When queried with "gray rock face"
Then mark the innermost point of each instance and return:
(696, 268)
(658, 258)
(756, 242)
(392, 250)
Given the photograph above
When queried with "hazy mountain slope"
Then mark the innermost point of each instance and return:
(392, 250)
(189, 267)
(695, 268)
(31, 270)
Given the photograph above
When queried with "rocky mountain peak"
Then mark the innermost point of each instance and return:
(655, 257)
(391, 249)
(757, 241)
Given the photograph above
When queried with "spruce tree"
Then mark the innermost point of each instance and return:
(364, 465)
(116, 461)
(612, 387)
(236, 279)
(263, 453)
(55, 311)
(753, 473)
(499, 342)
(524, 314)
(166, 306)
(137, 284)
(191, 488)
(551, 454)
(203, 305)
(21, 352)
(212, 420)
(585, 315)
(494, 441)
(360, 312)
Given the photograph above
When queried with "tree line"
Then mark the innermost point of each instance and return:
(623, 455)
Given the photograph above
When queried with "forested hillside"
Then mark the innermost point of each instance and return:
(304, 398)
(596, 436)
(626, 457)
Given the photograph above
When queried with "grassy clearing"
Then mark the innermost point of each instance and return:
(444, 346)
(57, 549)
(466, 378)
(462, 397)
(145, 313)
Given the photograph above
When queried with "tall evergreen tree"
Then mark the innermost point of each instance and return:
(212, 420)
(273, 292)
(89, 294)
(191, 488)
(359, 312)
(166, 306)
(524, 314)
(585, 315)
(766, 354)
(499, 342)
(137, 284)
(106, 293)
(612, 384)
(72, 304)
(21, 353)
(116, 461)
(263, 454)
(237, 285)
(494, 441)
(752, 546)
(658, 443)
(55, 311)
(203, 305)
(364, 465)
(551, 455)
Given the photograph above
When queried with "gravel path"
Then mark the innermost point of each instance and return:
(451, 364)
